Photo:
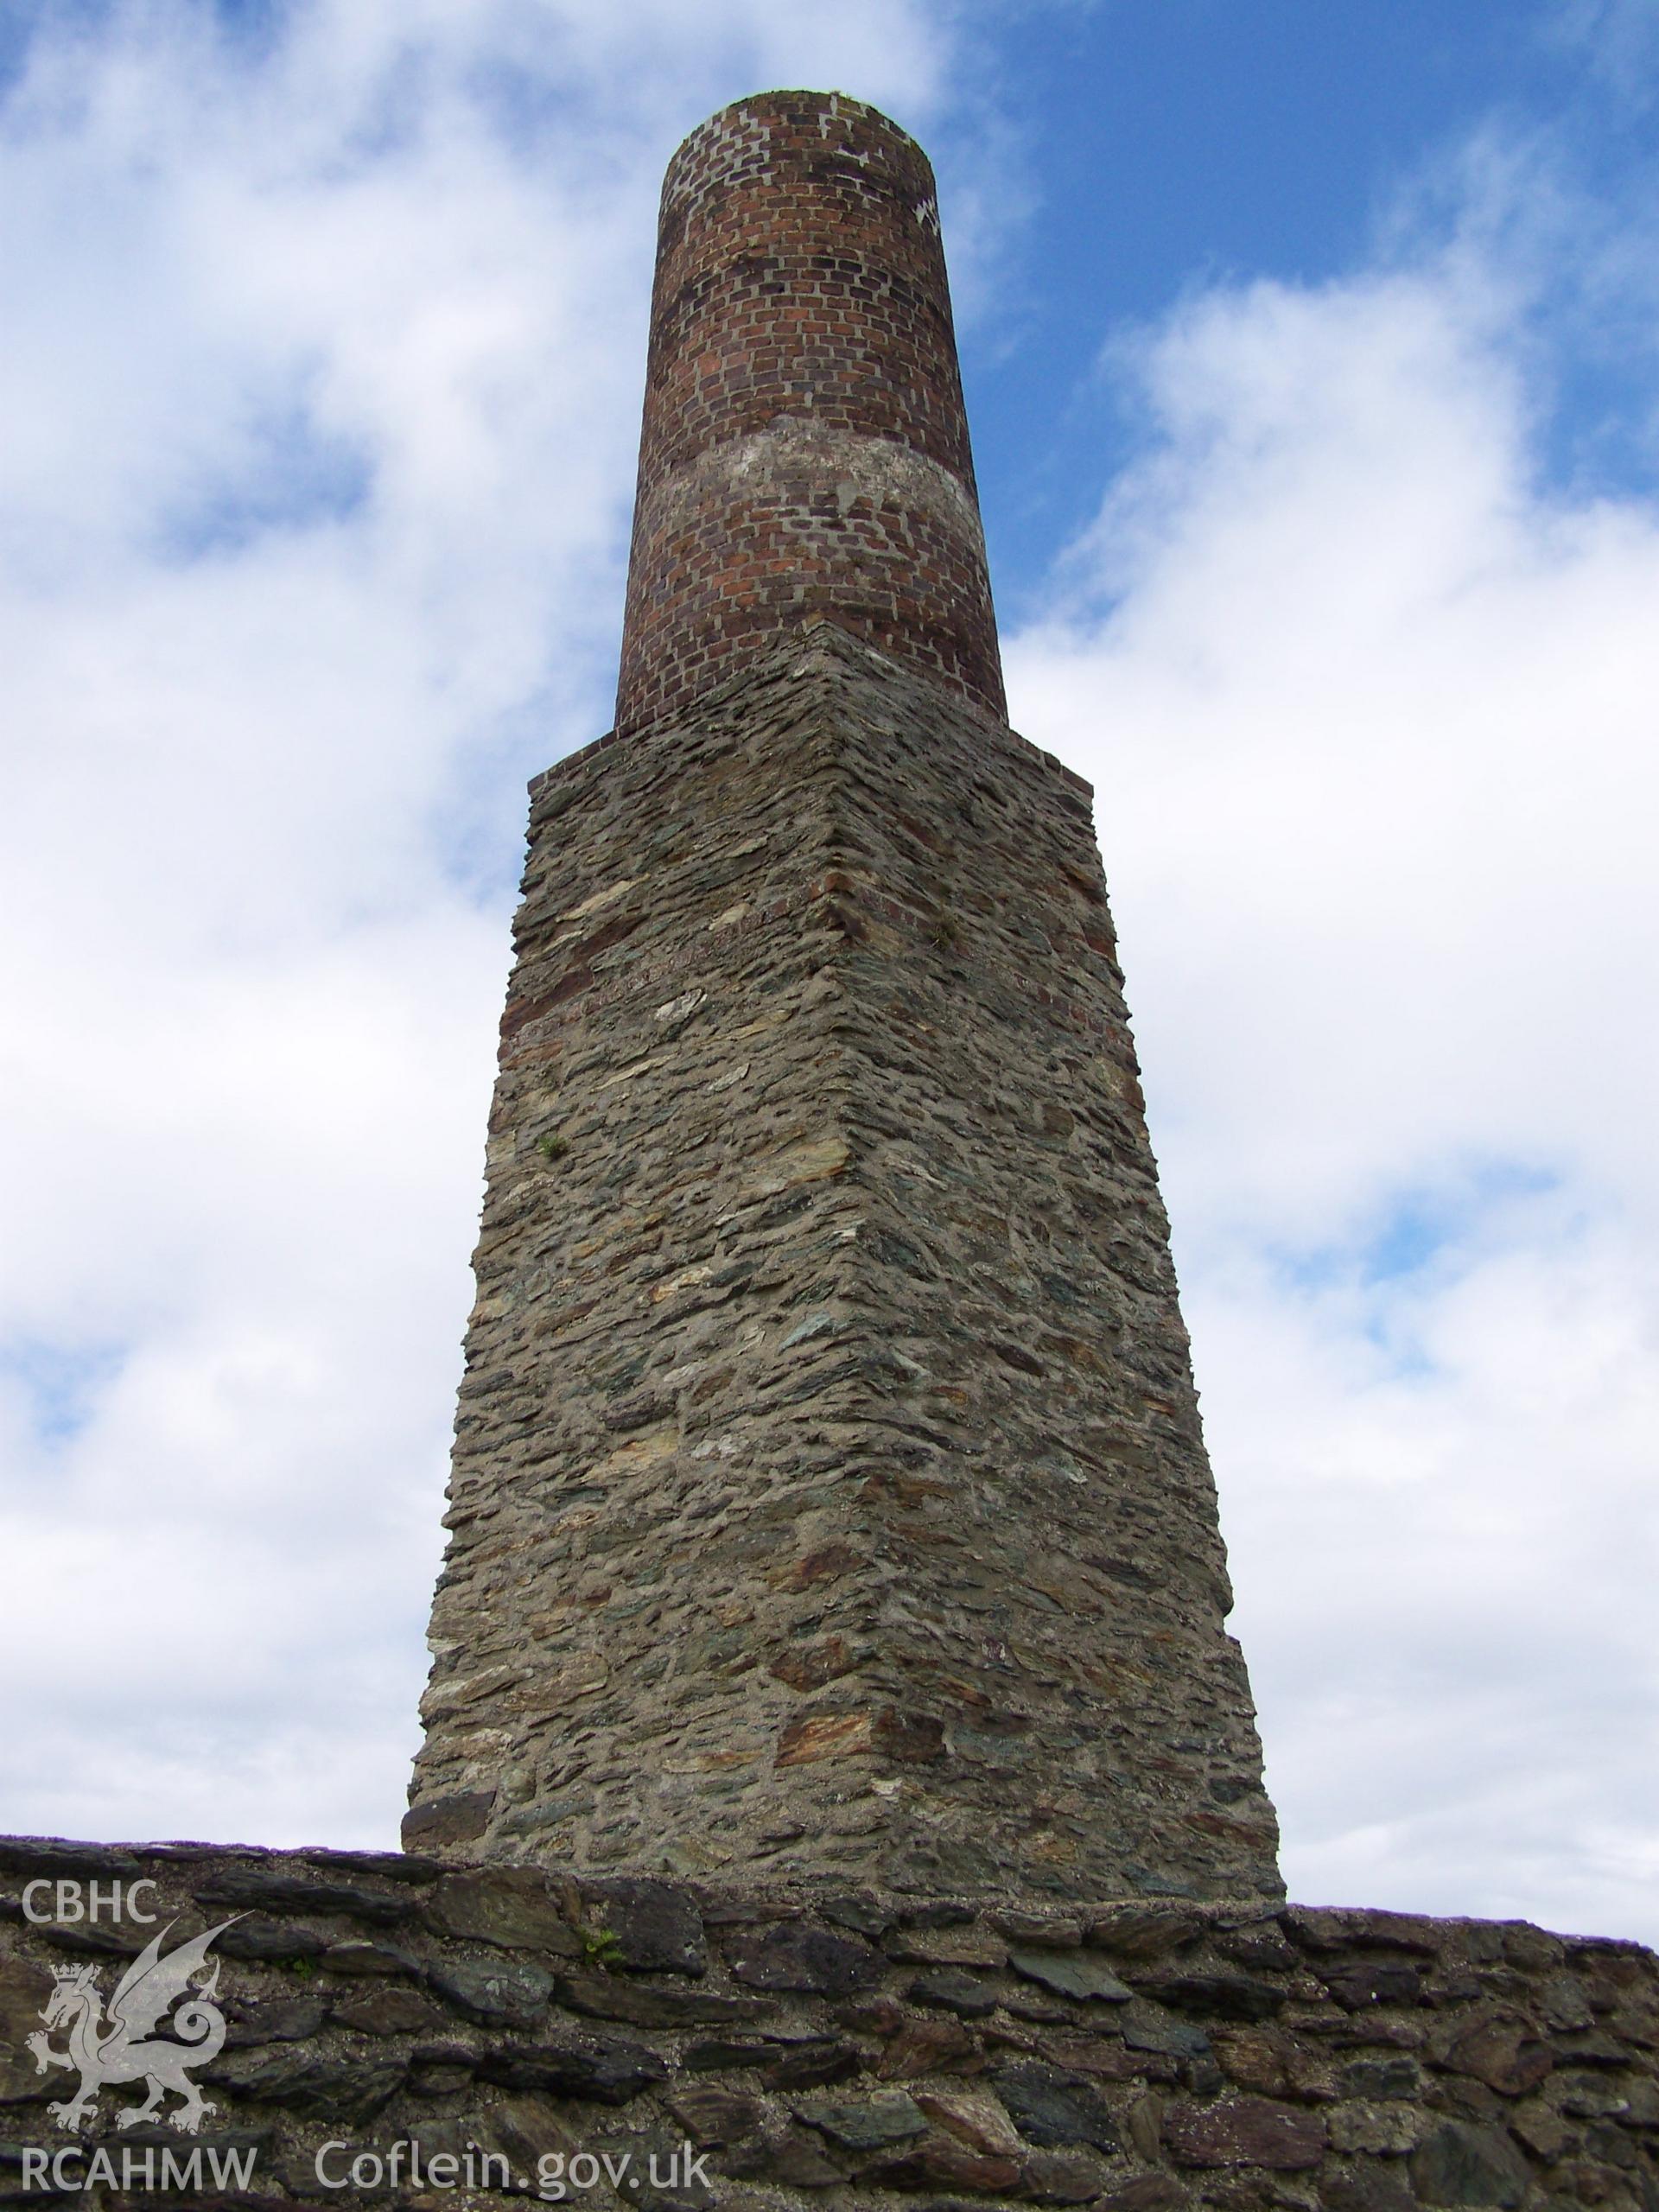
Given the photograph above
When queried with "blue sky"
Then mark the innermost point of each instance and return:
(1311, 357)
(1170, 145)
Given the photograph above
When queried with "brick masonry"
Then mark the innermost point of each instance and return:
(805, 447)
(850, 2049)
(828, 1488)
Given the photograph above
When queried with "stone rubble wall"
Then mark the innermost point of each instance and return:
(852, 2049)
(828, 1488)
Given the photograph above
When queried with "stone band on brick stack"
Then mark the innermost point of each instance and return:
(805, 447)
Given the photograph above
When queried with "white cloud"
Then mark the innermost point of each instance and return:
(1368, 703)
(324, 350)
(1621, 38)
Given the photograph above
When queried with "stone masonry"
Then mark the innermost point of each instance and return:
(468, 2037)
(828, 1492)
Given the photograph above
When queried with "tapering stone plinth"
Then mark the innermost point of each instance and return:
(828, 1488)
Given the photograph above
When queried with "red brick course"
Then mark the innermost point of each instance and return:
(805, 449)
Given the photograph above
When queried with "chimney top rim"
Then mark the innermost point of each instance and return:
(830, 102)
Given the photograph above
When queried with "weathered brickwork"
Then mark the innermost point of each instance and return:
(805, 447)
(769, 2048)
(828, 1490)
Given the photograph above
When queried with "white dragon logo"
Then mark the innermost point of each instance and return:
(116, 2051)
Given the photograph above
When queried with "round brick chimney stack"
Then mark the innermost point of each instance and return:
(805, 447)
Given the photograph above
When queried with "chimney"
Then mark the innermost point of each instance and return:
(829, 1498)
(805, 448)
